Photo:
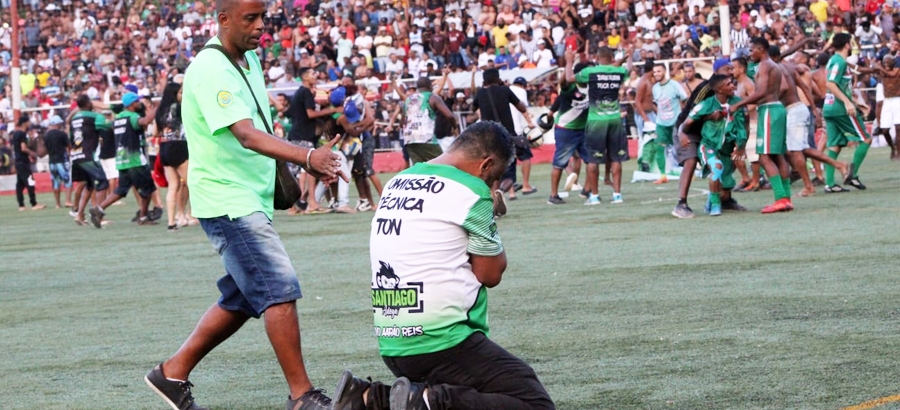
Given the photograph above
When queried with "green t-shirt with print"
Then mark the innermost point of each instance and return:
(130, 140)
(224, 177)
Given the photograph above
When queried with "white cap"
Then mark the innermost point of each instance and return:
(754, 13)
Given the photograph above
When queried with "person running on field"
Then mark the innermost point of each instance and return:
(87, 172)
(131, 161)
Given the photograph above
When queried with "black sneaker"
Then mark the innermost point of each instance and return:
(854, 182)
(555, 200)
(349, 392)
(406, 395)
(732, 205)
(817, 182)
(849, 176)
(96, 217)
(155, 213)
(311, 400)
(176, 394)
(834, 189)
(137, 216)
(302, 205)
(172, 228)
(584, 193)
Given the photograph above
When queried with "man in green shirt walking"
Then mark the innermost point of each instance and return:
(843, 122)
(231, 176)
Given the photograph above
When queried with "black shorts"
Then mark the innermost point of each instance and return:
(138, 177)
(683, 153)
(173, 153)
(91, 173)
(523, 148)
(364, 160)
(605, 141)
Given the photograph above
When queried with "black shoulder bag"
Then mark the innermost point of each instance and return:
(287, 191)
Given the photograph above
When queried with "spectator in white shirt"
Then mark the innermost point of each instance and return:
(413, 63)
(484, 57)
(276, 73)
(394, 66)
(543, 56)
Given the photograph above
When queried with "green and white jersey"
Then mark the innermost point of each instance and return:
(603, 83)
(836, 72)
(730, 128)
(425, 297)
(224, 177)
(130, 140)
(668, 98)
(420, 119)
(571, 107)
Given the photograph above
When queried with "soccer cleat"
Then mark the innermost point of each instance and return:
(715, 209)
(406, 395)
(616, 199)
(499, 203)
(593, 200)
(555, 200)
(835, 189)
(570, 181)
(683, 211)
(349, 392)
(732, 205)
(854, 182)
(781, 205)
(96, 217)
(177, 394)
(311, 400)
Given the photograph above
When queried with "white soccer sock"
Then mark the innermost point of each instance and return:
(425, 397)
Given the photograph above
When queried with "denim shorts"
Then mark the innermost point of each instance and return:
(60, 173)
(568, 142)
(258, 272)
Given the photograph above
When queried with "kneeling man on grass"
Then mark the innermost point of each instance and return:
(434, 251)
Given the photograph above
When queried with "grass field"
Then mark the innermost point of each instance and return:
(616, 307)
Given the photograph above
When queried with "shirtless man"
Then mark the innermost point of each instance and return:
(644, 109)
(798, 72)
(889, 115)
(819, 77)
(771, 142)
(745, 88)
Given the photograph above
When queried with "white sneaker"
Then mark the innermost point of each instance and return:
(576, 187)
(363, 205)
(616, 199)
(570, 181)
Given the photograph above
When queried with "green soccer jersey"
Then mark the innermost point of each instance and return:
(224, 177)
(429, 221)
(603, 83)
(130, 140)
(730, 128)
(836, 72)
(571, 108)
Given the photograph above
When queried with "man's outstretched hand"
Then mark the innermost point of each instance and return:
(325, 164)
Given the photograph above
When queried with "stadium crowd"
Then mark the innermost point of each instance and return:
(104, 49)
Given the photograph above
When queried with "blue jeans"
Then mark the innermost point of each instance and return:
(258, 271)
(456, 60)
(568, 142)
